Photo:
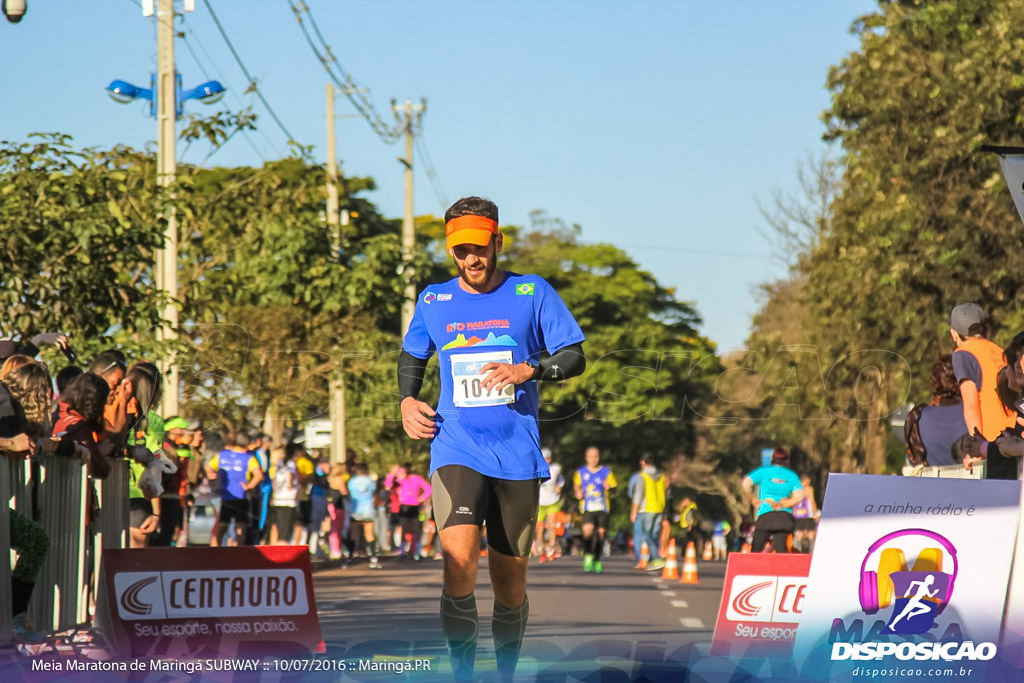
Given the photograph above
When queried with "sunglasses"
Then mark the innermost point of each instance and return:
(116, 364)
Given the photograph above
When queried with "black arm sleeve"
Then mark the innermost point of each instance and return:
(565, 363)
(411, 371)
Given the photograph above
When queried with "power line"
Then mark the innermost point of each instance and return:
(344, 81)
(219, 73)
(195, 58)
(435, 181)
(252, 81)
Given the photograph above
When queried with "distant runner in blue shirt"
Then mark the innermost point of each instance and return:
(489, 328)
(778, 490)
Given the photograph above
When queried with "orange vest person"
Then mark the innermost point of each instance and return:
(976, 363)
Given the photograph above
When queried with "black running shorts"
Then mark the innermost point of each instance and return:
(598, 518)
(508, 506)
(236, 510)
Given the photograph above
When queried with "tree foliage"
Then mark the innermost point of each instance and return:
(78, 230)
(918, 222)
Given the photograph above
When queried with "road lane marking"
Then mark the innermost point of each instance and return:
(669, 594)
(679, 603)
(691, 622)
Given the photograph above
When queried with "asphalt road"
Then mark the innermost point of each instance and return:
(621, 625)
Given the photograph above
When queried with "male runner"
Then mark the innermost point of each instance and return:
(489, 328)
(592, 483)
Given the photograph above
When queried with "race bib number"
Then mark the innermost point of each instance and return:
(467, 388)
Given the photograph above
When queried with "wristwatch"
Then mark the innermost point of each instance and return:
(536, 368)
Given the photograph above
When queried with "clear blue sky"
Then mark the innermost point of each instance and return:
(655, 125)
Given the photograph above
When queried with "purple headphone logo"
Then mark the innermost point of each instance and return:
(919, 594)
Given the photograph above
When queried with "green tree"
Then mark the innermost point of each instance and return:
(78, 230)
(923, 221)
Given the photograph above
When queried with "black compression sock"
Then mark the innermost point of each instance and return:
(460, 624)
(507, 627)
(21, 593)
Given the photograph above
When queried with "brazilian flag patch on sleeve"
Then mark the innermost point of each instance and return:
(525, 289)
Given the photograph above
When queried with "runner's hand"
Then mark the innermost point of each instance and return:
(416, 419)
(150, 525)
(500, 375)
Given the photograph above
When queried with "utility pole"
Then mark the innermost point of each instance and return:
(408, 226)
(333, 216)
(339, 448)
(167, 258)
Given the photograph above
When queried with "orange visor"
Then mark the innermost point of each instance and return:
(470, 230)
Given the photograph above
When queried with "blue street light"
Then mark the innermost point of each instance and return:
(124, 92)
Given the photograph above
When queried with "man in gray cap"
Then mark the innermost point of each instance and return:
(976, 364)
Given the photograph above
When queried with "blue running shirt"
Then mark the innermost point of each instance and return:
(361, 490)
(595, 487)
(496, 435)
(774, 482)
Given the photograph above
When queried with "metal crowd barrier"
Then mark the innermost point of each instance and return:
(70, 575)
(6, 476)
(949, 471)
(60, 599)
(113, 520)
(112, 530)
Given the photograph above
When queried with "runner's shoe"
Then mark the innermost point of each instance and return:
(374, 563)
(23, 632)
(588, 562)
(656, 564)
(542, 558)
(598, 567)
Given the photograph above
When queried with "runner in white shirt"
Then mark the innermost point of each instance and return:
(549, 503)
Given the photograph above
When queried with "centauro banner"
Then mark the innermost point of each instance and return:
(188, 601)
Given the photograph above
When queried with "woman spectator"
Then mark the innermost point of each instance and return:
(931, 430)
(81, 419)
(145, 436)
(25, 396)
(13, 363)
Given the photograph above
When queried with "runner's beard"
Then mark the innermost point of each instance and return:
(478, 278)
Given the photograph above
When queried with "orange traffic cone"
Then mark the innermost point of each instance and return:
(707, 551)
(690, 564)
(645, 557)
(671, 570)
